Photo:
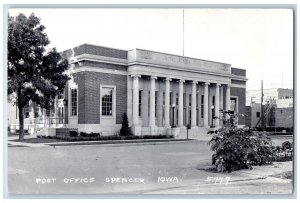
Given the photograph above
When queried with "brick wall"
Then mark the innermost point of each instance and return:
(284, 117)
(238, 82)
(241, 93)
(248, 117)
(102, 65)
(285, 92)
(95, 50)
(89, 95)
(238, 71)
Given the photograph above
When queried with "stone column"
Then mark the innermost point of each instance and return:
(194, 110)
(180, 103)
(199, 109)
(227, 100)
(159, 110)
(152, 102)
(221, 104)
(145, 95)
(167, 103)
(217, 106)
(135, 101)
(205, 106)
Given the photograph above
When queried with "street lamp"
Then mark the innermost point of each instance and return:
(173, 112)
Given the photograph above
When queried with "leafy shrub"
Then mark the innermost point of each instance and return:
(73, 133)
(286, 145)
(84, 134)
(239, 148)
(97, 136)
(125, 130)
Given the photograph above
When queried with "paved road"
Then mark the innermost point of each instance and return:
(169, 168)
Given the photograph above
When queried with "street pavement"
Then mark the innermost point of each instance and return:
(164, 168)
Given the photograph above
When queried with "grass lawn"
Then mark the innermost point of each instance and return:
(39, 140)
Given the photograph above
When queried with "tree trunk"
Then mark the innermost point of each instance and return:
(21, 123)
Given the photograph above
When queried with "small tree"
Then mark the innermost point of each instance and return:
(239, 148)
(33, 74)
(125, 130)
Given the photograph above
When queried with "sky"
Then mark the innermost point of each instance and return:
(258, 40)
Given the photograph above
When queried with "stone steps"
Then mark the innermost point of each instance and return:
(196, 133)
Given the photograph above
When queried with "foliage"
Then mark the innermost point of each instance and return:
(84, 134)
(125, 130)
(34, 75)
(283, 152)
(239, 148)
(73, 133)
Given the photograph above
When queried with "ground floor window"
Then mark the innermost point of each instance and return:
(155, 101)
(107, 101)
(26, 111)
(140, 102)
(73, 102)
(36, 111)
(17, 112)
(197, 109)
(213, 104)
(202, 106)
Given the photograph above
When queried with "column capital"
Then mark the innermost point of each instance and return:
(135, 76)
(207, 83)
(181, 81)
(153, 77)
(195, 82)
(168, 79)
(218, 84)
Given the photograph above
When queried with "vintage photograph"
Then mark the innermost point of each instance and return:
(140, 101)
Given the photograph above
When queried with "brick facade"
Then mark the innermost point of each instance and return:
(284, 117)
(237, 71)
(95, 50)
(241, 94)
(89, 95)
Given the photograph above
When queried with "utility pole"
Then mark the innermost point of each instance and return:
(262, 106)
(281, 79)
(183, 32)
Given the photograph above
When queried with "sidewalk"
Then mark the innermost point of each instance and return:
(259, 180)
(101, 142)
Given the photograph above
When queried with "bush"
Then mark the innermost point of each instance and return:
(73, 133)
(277, 129)
(97, 136)
(125, 130)
(84, 134)
(283, 152)
(286, 145)
(239, 148)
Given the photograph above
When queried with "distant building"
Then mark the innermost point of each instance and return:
(254, 96)
(278, 108)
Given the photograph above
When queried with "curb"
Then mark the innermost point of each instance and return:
(109, 142)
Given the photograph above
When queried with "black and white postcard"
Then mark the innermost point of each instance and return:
(141, 100)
